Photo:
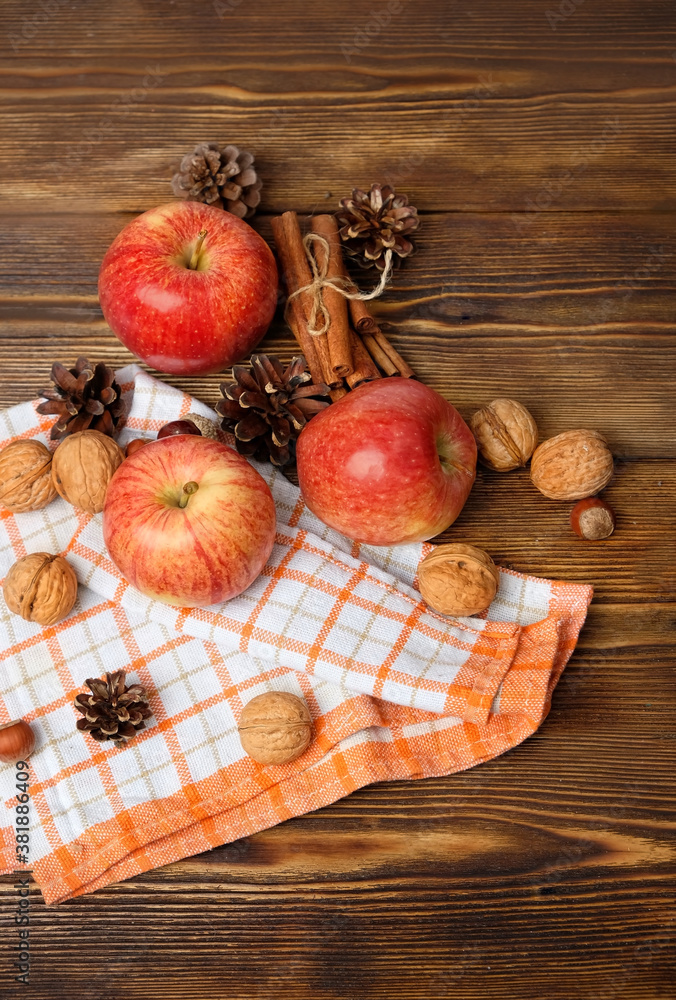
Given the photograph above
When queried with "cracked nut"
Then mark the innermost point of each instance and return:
(82, 467)
(275, 727)
(572, 465)
(505, 433)
(41, 588)
(26, 476)
(592, 519)
(458, 580)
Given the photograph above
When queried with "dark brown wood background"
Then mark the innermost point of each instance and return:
(537, 139)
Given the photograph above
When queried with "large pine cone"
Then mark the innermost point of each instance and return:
(267, 406)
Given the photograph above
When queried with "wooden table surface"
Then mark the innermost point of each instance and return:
(537, 140)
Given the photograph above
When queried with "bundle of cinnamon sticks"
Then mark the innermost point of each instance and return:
(353, 349)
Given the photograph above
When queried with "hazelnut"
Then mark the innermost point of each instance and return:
(505, 433)
(207, 427)
(41, 588)
(17, 741)
(176, 427)
(275, 727)
(592, 519)
(133, 446)
(457, 579)
(26, 476)
(572, 465)
(82, 467)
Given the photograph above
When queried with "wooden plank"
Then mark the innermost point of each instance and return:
(256, 921)
(480, 111)
(301, 53)
(554, 154)
(367, 943)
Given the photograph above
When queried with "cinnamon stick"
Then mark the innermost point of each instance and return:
(296, 321)
(322, 348)
(291, 252)
(393, 355)
(365, 324)
(337, 393)
(379, 355)
(362, 320)
(338, 333)
(365, 369)
(376, 341)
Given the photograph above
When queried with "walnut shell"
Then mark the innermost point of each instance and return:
(458, 580)
(505, 433)
(275, 727)
(82, 467)
(572, 465)
(41, 588)
(26, 476)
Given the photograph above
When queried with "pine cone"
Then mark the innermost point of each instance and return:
(371, 223)
(85, 397)
(112, 711)
(223, 176)
(268, 405)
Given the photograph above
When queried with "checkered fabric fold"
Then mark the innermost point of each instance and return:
(395, 690)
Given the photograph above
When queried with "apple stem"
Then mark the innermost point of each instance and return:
(194, 260)
(188, 491)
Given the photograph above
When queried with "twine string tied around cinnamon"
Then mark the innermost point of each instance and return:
(318, 310)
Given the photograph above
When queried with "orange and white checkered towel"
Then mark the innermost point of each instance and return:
(395, 690)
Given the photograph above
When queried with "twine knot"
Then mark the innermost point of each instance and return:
(319, 319)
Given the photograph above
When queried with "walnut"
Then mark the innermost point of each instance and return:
(505, 433)
(26, 476)
(275, 727)
(82, 467)
(572, 465)
(458, 580)
(41, 588)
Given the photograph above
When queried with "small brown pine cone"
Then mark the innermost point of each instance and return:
(372, 222)
(223, 176)
(112, 711)
(84, 398)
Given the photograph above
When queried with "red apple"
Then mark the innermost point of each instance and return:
(182, 304)
(389, 463)
(188, 521)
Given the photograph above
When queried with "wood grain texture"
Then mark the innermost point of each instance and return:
(475, 110)
(539, 147)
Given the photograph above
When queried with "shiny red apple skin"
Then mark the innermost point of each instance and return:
(182, 321)
(207, 552)
(370, 466)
